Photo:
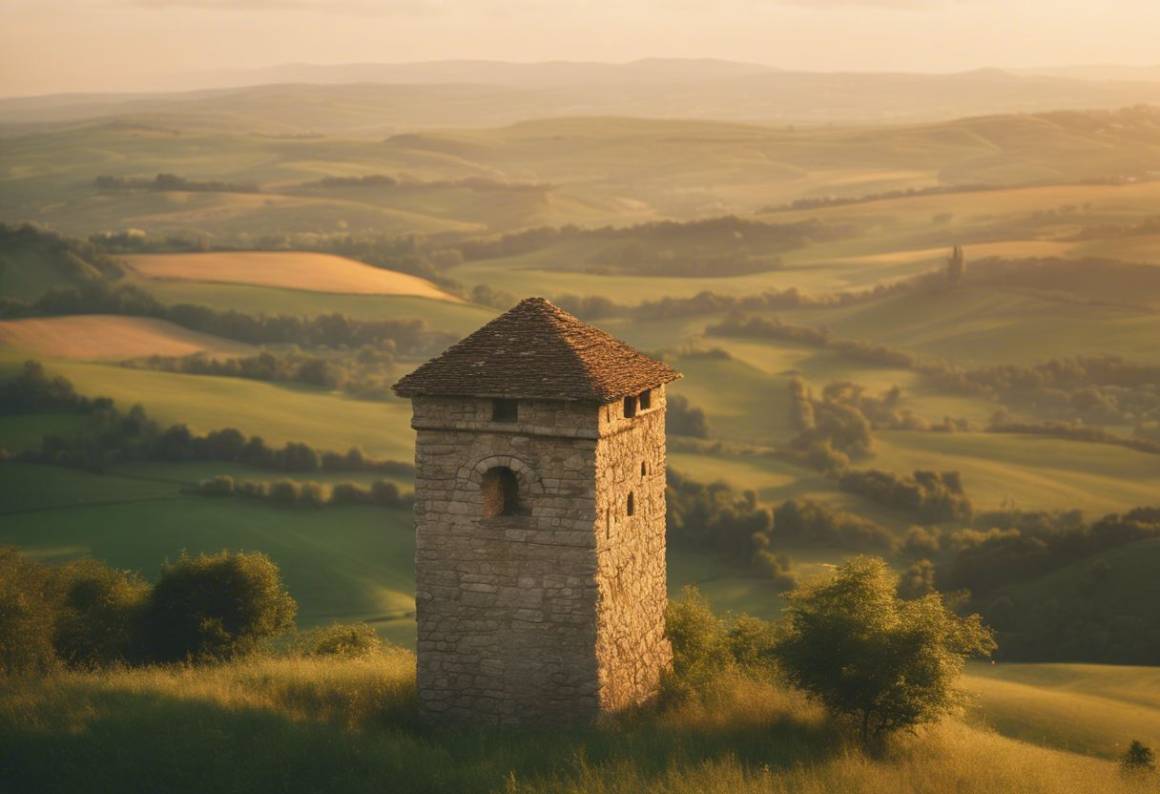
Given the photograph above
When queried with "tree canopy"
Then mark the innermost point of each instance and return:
(865, 653)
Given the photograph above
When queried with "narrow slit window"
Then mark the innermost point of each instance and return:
(629, 407)
(643, 469)
(646, 399)
(505, 410)
(631, 503)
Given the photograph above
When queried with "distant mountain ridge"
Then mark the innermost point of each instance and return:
(376, 99)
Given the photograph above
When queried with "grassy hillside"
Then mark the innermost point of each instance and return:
(458, 318)
(349, 563)
(588, 171)
(288, 270)
(279, 413)
(1089, 709)
(348, 726)
(103, 336)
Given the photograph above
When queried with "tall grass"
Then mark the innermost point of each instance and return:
(350, 725)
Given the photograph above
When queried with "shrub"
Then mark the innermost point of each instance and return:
(221, 485)
(753, 643)
(347, 640)
(932, 496)
(715, 516)
(311, 494)
(350, 493)
(804, 522)
(917, 581)
(27, 615)
(100, 614)
(300, 457)
(700, 646)
(252, 489)
(1138, 759)
(284, 492)
(778, 567)
(889, 664)
(216, 607)
(385, 493)
(684, 419)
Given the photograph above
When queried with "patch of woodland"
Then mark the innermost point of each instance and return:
(165, 183)
(366, 373)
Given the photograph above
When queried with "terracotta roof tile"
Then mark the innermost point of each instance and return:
(537, 350)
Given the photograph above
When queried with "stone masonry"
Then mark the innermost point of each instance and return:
(550, 610)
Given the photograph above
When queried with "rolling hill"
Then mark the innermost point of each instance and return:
(287, 270)
(371, 98)
(105, 336)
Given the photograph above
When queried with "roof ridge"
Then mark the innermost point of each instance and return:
(537, 349)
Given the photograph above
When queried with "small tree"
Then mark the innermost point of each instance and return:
(1139, 759)
(216, 606)
(853, 644)
(700, 645)
(350, 640)
(956, 266)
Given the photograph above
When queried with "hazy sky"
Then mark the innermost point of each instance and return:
(61, 45)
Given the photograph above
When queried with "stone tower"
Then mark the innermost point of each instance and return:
(540, 520)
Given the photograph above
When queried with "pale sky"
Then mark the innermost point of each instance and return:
(114, 45)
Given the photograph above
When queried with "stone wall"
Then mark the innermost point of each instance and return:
(554, 614)
(631, 649)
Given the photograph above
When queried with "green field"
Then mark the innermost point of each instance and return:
(458, 318)
(1081, 188)
(278, 413)
(340, 563)
(1089, 709)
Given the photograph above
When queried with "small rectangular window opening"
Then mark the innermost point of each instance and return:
(629, 407)
(505, 410)
(646, 399)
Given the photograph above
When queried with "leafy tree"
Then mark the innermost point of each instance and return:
(684, 419)
(99, 614)
(27, 615)
(299, 457)
(216, 606)
(1138, 759)
(866, 654)
(917, 581)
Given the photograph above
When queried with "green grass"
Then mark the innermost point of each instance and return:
(1089, 709)
(986, 326)
(457, 318)
(1029, 472)
(33, 489)
(305, 725)
(324, 420)
(194, 473)
(741, 402)
(341, 563)
(25, 431)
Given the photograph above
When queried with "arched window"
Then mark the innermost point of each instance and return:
(631, 503)
(501, 492)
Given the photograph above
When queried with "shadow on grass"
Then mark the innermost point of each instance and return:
(134, 741)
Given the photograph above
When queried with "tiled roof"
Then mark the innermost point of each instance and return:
(537, 350)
